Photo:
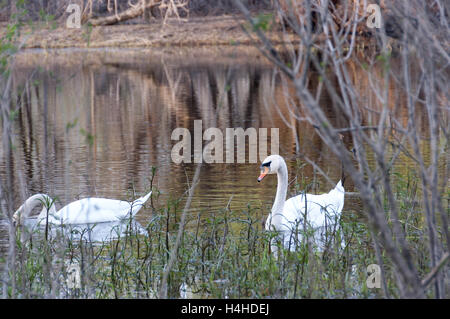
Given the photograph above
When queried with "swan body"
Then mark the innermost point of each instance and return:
(83, 211)
(288, 216)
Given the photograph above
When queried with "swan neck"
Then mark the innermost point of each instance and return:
(25, 210)
(280, 198)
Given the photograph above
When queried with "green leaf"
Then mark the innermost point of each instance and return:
(262, 21)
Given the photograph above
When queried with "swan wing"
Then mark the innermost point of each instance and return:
(321, 210)
(317, 207)
(93, 210)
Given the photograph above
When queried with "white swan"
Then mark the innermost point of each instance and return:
(83, 211)
(287, 216)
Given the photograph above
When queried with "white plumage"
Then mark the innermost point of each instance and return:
(287, 216)
(83, 211)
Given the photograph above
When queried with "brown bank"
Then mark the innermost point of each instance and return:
(204, 31)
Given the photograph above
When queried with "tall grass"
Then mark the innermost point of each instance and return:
(223, 254)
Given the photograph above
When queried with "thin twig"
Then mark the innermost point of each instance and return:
(174, 252)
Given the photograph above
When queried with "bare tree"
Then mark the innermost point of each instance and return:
(416, 64)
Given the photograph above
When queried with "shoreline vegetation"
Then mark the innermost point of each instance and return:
(226, 27)
(195, 32)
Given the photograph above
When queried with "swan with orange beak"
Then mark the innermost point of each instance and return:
(287, 216)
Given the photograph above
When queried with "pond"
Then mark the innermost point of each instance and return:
(95, 122)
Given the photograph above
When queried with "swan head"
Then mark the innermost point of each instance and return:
(22, 213)
(25, 209)
(270, 165)
(16, 216)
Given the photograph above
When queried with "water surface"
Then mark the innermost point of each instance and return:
(94, 123)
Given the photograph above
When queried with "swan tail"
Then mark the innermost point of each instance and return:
(339, 198)
(138, 203)
(339, 186)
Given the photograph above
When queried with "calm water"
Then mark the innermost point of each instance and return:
(94, 123)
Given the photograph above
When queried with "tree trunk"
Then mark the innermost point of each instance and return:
(128, 14)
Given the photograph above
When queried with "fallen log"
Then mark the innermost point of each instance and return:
(128, 14)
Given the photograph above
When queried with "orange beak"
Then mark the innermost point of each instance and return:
(264, 172)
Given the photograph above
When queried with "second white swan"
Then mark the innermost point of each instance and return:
(83, 211)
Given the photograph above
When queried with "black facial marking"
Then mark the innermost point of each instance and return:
(266, 164)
